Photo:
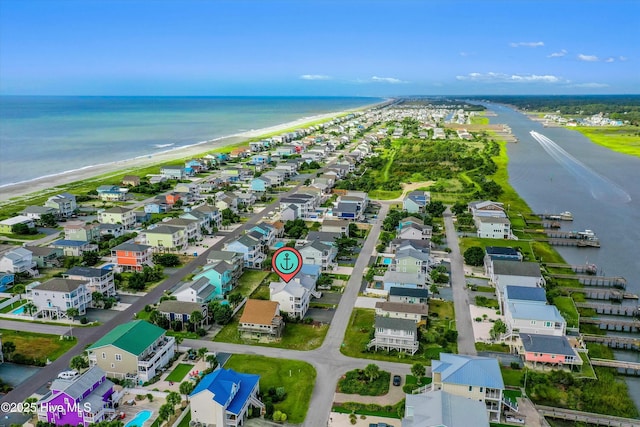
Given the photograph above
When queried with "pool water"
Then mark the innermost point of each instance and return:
(19, 310)
(386, 261)
(278, 245)
(139, 419)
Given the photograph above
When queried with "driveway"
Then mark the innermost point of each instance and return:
(100, 315)
(329, 298)
(324, 315)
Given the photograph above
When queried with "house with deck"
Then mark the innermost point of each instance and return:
(261, 320)
(118, 215)
(547, 350)
(65, 204)
(167, 238)
(74, 247)
(251, 249)
(6, 225)
(112, 193)
(45, 256)
(408, 295)
(134, 350)
(96, 279)
(489, 227)
(396, 279)
(318, 253)
(55, 296)
(223, 398)
(182, 311)
(416, 201)
(441, 409)
(402, 310)
(132, 256)
(292, 297)
(395, 334)
(80, 230)
(18, 260)
(200, 291)
(234, 259)
(533, 318)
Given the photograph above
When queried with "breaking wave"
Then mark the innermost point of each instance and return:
(601, 188)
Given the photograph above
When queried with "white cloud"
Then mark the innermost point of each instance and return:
(610, 59)
(591, 85)
(562, 53)
(526, 44)
(314, 77)
(510, 78)
(587, 58)
(391, 80)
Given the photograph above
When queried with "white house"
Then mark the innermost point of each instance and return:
(395, 334)
(97, 279)
(402, 310)
(490, 227)
(318, 253)
(55, 296)
(534, 318)
(18, 260)
(293, 297)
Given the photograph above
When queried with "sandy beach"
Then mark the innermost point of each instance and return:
(50, 183)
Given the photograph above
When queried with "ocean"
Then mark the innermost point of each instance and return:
(48, 135)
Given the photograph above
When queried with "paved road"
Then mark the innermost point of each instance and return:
(466, 341)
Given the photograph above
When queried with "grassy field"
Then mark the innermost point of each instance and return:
(298, 379)
(502, 348)
(249, 281)
(623, 139)
(525, 247)
(37, 346)
(179, 372)
(568, 310)
(512, 377)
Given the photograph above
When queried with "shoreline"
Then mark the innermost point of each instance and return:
(27, 188)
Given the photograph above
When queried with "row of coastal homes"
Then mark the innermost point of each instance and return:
(491, 220)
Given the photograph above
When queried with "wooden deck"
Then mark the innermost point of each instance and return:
(587, 417)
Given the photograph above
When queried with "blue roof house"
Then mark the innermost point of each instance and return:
(223, 398)
(219, 275)
(260, 184)
(474, 377)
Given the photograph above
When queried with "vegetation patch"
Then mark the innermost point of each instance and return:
(387, 411)
(487, 302)
(496, 347)
(567, 308)
(179, 372)
(370, 381)
(32, 348)
(297, 378)
(249, 281)
(623, 139)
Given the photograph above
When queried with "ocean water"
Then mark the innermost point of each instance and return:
(42, 136)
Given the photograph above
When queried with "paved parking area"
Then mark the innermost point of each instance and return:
(329, 298)
(101, 315)
(323, 315)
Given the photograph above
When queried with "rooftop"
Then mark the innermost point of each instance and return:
(548, 344)
(133, 337)
(516, 268)
(395, 324)
(259, 312)
(439, 408)
(468, 370)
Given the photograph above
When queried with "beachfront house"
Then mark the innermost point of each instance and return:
(36, 212)
(472, 377)
(131, 180)
(6, 225)
(55, 296)
(118, 215)
(132, 256)
(135, 350)
(395, 334)
(18, 260)
(251, 248)
(200, 291)
(533, 318)
(416, 201)
(97, 279)
(261, 320)
(65, 204)
(173, 172)
(547, 350)
(84, 400)
(112, 193)
(223, 397)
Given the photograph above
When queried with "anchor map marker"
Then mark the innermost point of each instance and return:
(286, 262)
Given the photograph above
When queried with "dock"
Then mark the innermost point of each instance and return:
(611, 309)
(576, 268)
(586, 417)
(617, 342)
(617, 282)
(621, 325)
(564, 216)
(623, 367)
(574, 242)
(597, 293)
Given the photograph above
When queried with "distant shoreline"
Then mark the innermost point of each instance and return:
(26, 188)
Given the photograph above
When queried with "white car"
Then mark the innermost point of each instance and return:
(67, 375)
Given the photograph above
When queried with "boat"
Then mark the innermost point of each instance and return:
(587, 235)
(566, 216)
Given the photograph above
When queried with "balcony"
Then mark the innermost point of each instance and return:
(157, 352)
(492, 394)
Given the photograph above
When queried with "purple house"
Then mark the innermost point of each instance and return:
(83, 400)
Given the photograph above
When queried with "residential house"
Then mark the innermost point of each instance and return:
(261, 320)
(305, 204)
(79, 230)
(64, 203)
(195, 166)
(267, 233)
(260, 184)
(167, 238)
(6, 225)
(547, 350)
(36, 212)
(416, 201)
(118, 215)
(319, 253)
(503, 253)
(112, 193)
(402, 310)
(115, 230)
(326, 237)
(135, 350)
(156, 207)
(275, 177)
(96, 279)
(335, 226)
(189, 189)
(408, 295)
(410, 260)
(55, 296)
(292, 297)
(74, 247)
(398, 245)
(181, 311)
(525, 294)
(487, 208)
(251, 249)
(173, 172)
(505, 273)
(442, 409)
(234, 259)
(397, 279)
(85, 400)
(246, 199)
(395, 334)
(347, 211)
(219, 275)
(408, 230)
(200, 291)
(223, 397)
(18, 260)
(490, 227)
(45, 256)
(473, 377)
(190, 226)
(533, 318)
(131, 180)
(172, 198)
(132, 256)
(209, 217)
(227, 201)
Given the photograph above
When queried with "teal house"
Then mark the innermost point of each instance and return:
(220, 276)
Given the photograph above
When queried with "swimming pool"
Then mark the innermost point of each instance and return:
(19, 310)
(386, 261)
(278, 245)
(139, 419)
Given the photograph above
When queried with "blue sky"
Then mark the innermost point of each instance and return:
(308, 47)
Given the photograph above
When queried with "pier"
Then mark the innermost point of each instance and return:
(574, 242)
(623, 367)
(612, 324)
(564, 216)
(576, 268)
(597, 293)
(586, 417)
(611, 309)
(622, 343)
(617, 282)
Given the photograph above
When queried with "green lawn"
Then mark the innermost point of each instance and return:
(525, 247)
(502, 348)
(512, 394)
(296, 336)
(384, 194)
(249, 281)
(298, 379)
(512, 377)
(37, 346)
(179, 372)
(487, 302)
(623, 139)
(13, 306)
(388, 411)
(587, 370)
(568, 310)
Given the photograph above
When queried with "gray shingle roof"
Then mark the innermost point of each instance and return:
(60, 285)
(547, 344)
(180, 307)
(87, 272)
(79, 385)
(408, 292)
(395, 324)
(516, 268)
(439, 408)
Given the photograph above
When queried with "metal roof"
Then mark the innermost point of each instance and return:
(439, 408)
(516, 268)
(548, 344)
(469, 370)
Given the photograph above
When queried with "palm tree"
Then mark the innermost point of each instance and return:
(372, 371)
(196, 319)
(17, 289)
(212, 360)
(97, 298)
(30, 308)
(71, 314)
(201, 352)
(186, 388)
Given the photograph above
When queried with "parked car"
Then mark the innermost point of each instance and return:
(67, 375)
(397, 380)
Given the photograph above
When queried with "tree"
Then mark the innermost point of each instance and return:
(48, 220)
(223, 314)
(459, 207)
(435, 208)
(345, 244)
(372, 371)
(136, 281)
(235, 299)
(8, 347)
(71, 314)
(97, 298)
(418, 370)
(186, 388)
(173, 398)
(30, 308)
(474, 256)
(434, 289)
(196, 318)
(90, 258)
(202, 351)
(498, 329)
(166, 260)
(353, 229)
(79, 362)
(23, 229)
(295, 229)
(212, 360)
(18, 289)
(164, 413)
